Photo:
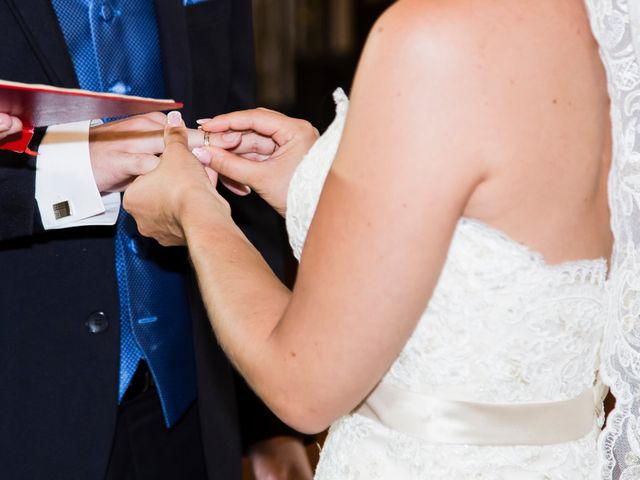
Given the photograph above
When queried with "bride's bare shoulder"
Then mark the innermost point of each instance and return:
(493, 29)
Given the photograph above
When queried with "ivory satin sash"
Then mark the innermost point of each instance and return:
(443, 421)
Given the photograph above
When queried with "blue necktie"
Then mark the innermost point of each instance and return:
(114, 45)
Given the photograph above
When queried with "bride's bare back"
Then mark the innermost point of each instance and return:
(546, 129)
(519, 97)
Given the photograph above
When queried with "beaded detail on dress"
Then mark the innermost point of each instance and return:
(502, 326)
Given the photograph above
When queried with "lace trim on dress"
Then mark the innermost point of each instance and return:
(616, 26)
(592, 271)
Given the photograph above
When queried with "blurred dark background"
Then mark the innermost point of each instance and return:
(305, 49)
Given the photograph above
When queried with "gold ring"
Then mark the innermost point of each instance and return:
(206, 139)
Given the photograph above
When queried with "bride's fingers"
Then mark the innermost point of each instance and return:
(265, 122)
(204, 155)
(255, 157)
(259, 120)
(175, 132)
(255, 143)
(232, 166)
(213, 175)
(226, 140)
(238, 188)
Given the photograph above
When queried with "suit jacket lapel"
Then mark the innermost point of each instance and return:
(39, 22)
(176, 57)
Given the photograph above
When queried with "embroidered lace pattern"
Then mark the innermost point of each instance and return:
(502, 327)
(616, 26)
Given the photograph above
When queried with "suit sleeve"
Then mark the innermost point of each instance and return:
(19, 215)
(262, 225)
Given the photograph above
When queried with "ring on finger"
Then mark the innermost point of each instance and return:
(206, 141)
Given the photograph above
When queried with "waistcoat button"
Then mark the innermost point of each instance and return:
(97, 322)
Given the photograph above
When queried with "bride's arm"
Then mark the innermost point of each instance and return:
(411, 156)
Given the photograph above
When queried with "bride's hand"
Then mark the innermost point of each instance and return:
(271, 148)
(176, 193)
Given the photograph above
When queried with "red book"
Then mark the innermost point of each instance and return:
(43, 105)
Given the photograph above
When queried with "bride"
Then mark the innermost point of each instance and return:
(453, 231)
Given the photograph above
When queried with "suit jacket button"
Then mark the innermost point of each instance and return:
(97, 322)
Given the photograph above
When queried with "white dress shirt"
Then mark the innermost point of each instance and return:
(66, 189)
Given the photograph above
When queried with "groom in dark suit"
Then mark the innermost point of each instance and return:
(108, 363)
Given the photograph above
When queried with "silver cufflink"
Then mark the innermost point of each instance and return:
(61, 210)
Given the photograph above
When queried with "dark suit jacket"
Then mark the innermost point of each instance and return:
(59, 381)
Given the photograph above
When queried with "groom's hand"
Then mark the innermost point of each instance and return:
(280, 458)
(9, 125)
(125, 149)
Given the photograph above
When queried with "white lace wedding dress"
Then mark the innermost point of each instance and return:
(616, 26)
(502, 327)
(507, 330)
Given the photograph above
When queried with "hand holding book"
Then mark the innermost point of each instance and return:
(43, 106)
(9, 125)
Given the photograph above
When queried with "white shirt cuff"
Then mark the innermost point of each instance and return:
(66, 190)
